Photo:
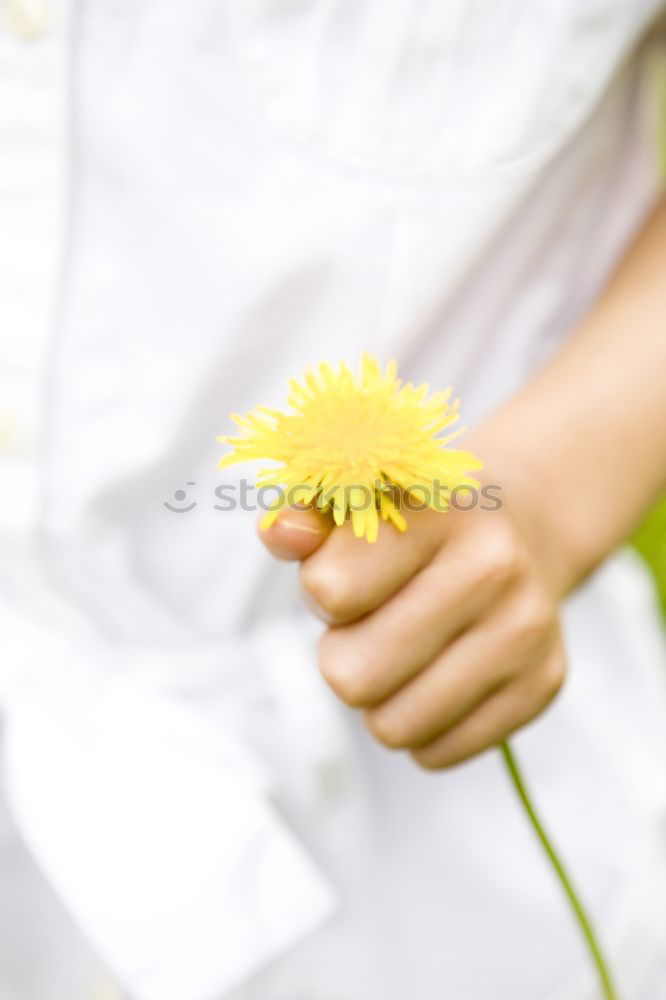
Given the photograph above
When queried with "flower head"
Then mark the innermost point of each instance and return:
(354, 445)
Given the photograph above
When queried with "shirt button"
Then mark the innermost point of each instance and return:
(28, 19)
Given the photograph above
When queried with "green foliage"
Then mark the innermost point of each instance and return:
(650, 540)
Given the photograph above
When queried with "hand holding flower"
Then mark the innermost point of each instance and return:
(446, 635)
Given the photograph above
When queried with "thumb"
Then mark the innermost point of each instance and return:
(296, 533)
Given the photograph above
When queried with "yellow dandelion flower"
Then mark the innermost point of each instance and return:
(356, 445)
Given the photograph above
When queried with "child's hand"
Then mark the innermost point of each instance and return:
(446, 635)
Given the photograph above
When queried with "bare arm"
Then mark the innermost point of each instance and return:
(592, 425)
(447, 636)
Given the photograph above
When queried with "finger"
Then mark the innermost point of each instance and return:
(517, 634)
(495, 719)
(296, 533)
(368, 661)
(349, 577)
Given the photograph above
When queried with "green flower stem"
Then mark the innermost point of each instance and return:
(608, 990)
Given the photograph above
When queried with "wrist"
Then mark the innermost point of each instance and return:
(541, 503)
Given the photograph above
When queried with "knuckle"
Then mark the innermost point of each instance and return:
(502, 562)
(387, 728)
(534, 622)
(543, 686)
(553, 677)
(425, 760)
(342, 672)
(332, 590)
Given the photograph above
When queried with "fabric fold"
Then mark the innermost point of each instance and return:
(165, 849)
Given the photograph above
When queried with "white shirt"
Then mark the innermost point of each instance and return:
(253, 187)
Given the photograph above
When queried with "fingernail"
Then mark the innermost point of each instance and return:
(295, 526)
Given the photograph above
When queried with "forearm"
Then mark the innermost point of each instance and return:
(590, 429)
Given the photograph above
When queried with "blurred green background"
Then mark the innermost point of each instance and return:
(650, 540)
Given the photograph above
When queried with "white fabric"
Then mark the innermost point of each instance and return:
(254, 186)
(156, 797)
